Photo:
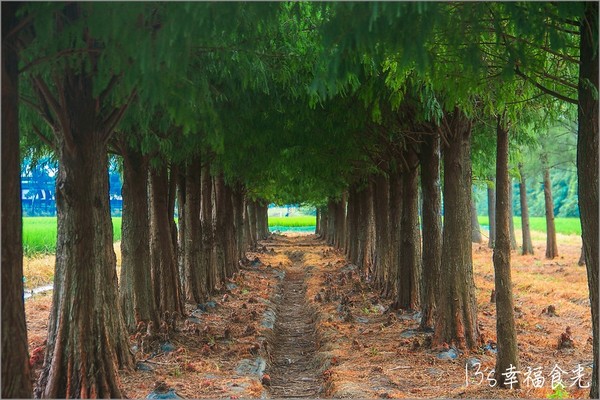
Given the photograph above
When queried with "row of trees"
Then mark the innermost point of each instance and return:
(221, 107)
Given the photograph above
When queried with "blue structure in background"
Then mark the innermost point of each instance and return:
(38, 185)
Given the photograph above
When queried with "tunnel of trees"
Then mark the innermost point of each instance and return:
(364, 110)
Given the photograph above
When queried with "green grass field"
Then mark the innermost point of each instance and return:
(307, 220)
(566, 226)
(39, 233)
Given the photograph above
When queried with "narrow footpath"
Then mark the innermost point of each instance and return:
(294, 368)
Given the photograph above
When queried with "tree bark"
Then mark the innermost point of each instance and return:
(137, 301)
(220, 226)
(551, 245)
(351, 225)
(246, 216)
(527, 245)
(87, 339)
(16, 380)
(173, 178)
(409, 276)
(381, 262)
(370, 232)
(252, 223)
(508, 353)
(195, 276)
(587, 164)
(491, 213)
(361, 230)
(390, 288)
(317, 222)
(165, 274)
(513, 236)
(456, 320)
(331, 215)
(207, 263)
(475, 228)
(432, 227)
(181, 230)
(238, 219)
(341, 222)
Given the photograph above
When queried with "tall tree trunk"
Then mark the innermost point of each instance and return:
(390, 288)
(527, 245)
(165, 274)
(491, 213)
(456, 320)
(432, 227)
(238, 220)
(16, 380)
(137, 301)
(231, 265)
(207, 262)
(475, 228)
(317, 222)
(341, 221)
(409, 275)
(173, 178)
(370, 236)
(587, 163)
(506, 334)
(511, 220)
(87, 339)
(181, 230)
(247, 230)
(361, 229)
(551, 245)
(331, 214)
(351, 225)
(252, 223)
(383, 252)
(220, 226)
(195, 276)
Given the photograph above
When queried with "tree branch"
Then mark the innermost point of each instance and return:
(60, 54)
(111, 85)
(44, 139)
(46, 95)
(115, 117)
(545, 89)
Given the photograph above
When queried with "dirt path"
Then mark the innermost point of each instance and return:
(294, 367)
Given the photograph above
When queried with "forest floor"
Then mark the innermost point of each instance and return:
(297, 321)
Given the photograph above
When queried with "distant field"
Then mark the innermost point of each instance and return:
(39, 234)
(307, 220)
(566, 226)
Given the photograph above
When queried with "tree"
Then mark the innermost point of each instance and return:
(508, 353)
(456, 320)
(551, 244)
(16, 381)
(587, 162)
(135, 290)
(432, 227)
(491, 192)
(527, 245)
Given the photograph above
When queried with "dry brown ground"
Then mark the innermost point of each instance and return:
(362, 352)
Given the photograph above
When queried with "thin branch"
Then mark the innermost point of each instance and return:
(115, 118)
(60, 54)
(21, 25)
(545, 89)
(111, 84)
(558, 80)
(44, 139)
